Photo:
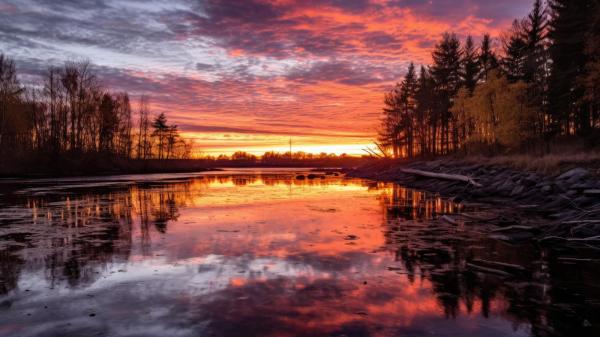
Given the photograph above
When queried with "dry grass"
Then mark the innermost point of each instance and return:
(549, 164)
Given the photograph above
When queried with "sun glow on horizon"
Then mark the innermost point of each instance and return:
(337, 149)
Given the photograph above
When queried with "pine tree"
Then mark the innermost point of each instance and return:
(487, 58)
(470, 66)
(445, 72)
(389, 132)
(568, 30)
(407, 99)
(423, 113)
(398, 125)
(591, 79)
(536, 59)
(535, 72)
(160, 130)
(515, 52)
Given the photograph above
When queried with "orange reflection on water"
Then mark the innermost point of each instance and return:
(263, 253)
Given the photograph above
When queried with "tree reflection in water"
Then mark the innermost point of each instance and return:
(266, 253)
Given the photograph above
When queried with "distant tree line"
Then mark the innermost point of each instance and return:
(70, 113)
(273, 158)
(544, 84)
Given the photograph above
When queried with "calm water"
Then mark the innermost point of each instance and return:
(245, 253)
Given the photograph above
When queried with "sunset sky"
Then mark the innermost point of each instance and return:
(249, 74)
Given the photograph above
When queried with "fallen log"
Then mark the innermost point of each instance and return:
(444, 176)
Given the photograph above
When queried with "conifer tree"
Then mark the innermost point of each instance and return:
(515, 52)
(445, 72)
(487, 58)
(568, 32)
(470, 66)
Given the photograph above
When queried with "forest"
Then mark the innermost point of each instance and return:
(70, 116)
(530, 90)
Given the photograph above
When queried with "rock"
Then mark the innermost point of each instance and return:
(583, 186)
(571, 193)
(517, 190)
(301, 177)
(574, 174)
(562, 186)
(547, 189)
(351, 237)
(528, 181)
(585, 201)
(507, 186)
(312, 176)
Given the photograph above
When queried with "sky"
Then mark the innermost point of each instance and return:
(249, 74)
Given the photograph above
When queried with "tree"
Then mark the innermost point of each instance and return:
(445, 72)
(515, 52)
(590, 80)
(160, 131)
(498, 113)
(143, 150)
(243, 156)
(69, 112)
(568, 33)
(535, 72)
(423, 114)
(536, 60)
(54, 101)
(487, 58)
(390, 130)
(10, 91)
(397, 129)
(470, 67)
(124, 140)
(408, 91)
(172, 138)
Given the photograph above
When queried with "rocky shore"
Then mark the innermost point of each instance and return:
(568, 203)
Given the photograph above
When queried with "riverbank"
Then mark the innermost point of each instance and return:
(568, 200)
(99, 166)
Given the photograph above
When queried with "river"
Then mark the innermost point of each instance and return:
(262, 253)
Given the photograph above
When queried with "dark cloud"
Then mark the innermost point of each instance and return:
(204, 66)
(87, 23)
(268, 130)
(341, 72)
(262, 28)
(451, 10)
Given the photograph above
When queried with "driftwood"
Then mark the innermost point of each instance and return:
(500, 264)
(586, 239)
(444, 176)
(509, 228)
(488, 270)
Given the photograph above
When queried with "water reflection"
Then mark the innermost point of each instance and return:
(270, 255)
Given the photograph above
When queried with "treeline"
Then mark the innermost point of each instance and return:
(69, 113)
(282, 159)
(543, 85)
